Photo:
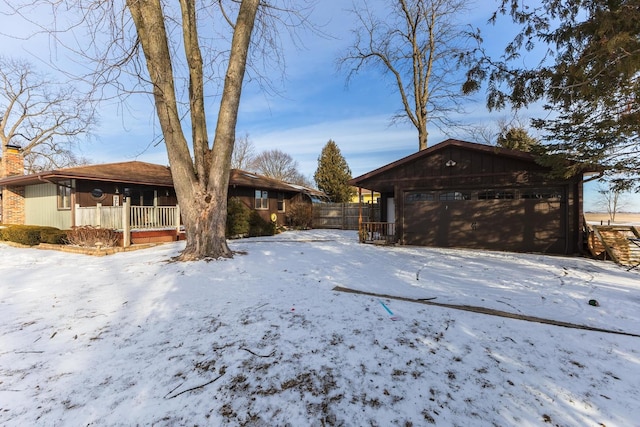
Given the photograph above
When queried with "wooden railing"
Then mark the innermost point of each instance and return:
(140, 217)
(145, 217)
(378, 232)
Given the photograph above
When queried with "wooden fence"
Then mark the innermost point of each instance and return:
(343, 215)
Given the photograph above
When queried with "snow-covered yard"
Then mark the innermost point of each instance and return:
(264, 339)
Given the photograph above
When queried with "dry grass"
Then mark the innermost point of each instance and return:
(621, 218)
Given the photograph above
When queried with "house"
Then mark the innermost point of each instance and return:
(468, 195)
(95, 195)
(363, 195)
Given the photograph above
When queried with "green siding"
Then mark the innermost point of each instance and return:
(41, 207)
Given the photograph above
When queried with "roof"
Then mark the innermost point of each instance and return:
(249, 179)
(142, 173)
(489, 149)
(126, 172)
(505, 152)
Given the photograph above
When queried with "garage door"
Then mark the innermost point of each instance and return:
(512, 220)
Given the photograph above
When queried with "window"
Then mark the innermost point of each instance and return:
(280, 202)
(454, 195)
(420, 197)
(541, 194)
(97, 194)
(496, 195)
(262, 199)
(64, 195)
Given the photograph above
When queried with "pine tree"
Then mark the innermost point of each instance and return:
(516, 138)
(333, 174)
(589, 79)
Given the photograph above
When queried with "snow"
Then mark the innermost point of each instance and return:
(264, 339)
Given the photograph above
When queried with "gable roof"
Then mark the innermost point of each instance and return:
(142, 173)
(243, 178)
(126, 172)
(505, 152)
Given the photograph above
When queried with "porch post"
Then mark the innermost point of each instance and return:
(97, 218)
(360, 215)
(359, 208)
(74, 218)
(126, 223)
(177, 222)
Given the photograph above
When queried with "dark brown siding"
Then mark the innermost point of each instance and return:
(522, 222)
(522, 225)
(247, 196)
(139, 194)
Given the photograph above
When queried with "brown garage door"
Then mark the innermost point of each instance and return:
(512, 220)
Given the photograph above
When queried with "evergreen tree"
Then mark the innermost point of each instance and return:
(589, 78)
(516, 138)
(333, 174)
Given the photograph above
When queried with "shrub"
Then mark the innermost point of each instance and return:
(87, 236)
(53, 236)
(259, 226)
(237, 218)
(30, 235)
(299, 215)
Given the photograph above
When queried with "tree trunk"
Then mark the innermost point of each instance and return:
(205, 224)
(201, 185)
(422, 139)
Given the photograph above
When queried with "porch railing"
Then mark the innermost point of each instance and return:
(378, 232)
(153, 217)
(140, 217)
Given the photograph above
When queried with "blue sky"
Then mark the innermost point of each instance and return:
(313, 105)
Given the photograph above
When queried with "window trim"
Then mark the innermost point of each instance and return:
(281, 202)
(63, 195)
(261, 200)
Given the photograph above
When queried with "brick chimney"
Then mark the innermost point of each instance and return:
(12, 161)
(12, 202)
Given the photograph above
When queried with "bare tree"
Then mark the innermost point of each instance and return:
(43, 117)
(170, 51)
(611, 198)
(243, 153)
(201, 183)
(505, 132)
(279, 165)
(420, 45)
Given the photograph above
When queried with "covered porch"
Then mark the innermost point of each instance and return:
(377, 232)
(137, 224)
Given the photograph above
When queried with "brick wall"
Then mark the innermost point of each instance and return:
(13, 205)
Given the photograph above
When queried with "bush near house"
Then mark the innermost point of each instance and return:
(87, 236)
(299, 215)
(244, 222)
(32, 235)
(258, 226)
(237, 218)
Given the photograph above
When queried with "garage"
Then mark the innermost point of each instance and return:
(508, 220)
(460, 194)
